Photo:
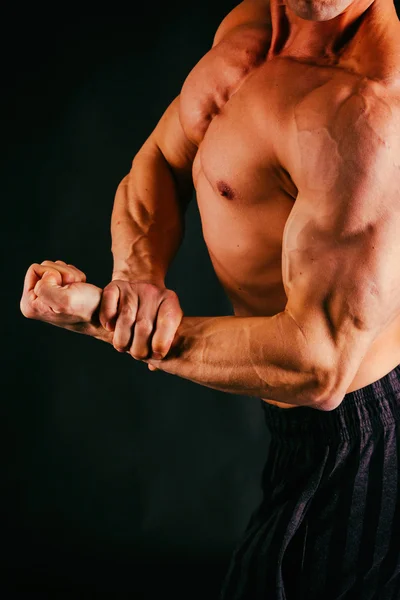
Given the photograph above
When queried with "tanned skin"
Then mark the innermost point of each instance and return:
(289, 128)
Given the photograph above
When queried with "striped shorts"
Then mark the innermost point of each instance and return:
(328, 526)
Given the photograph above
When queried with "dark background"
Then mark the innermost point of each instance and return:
(113, 479)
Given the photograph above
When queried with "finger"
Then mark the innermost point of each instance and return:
(50, 291)
(80, 274)
(69, 275)
(33, 274)
(144, 325)
(152, 368)
(124, 325)
(169, 317)
(109, 307)
(50, 277)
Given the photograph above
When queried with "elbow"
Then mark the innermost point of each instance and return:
(335, 380)
(329, 393)
(328, 401)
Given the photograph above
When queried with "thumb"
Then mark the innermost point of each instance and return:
(52, 277)
(48, 286)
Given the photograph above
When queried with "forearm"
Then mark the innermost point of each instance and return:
(266, 357)
(147, 222)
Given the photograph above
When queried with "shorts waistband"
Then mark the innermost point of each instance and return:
(360, 411)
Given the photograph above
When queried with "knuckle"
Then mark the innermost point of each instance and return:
(148, 289)
(171, 317)
(110, 289)
(125, 322)
(119, 345)
(69, 277)
(173, 310)
(161, 348)
(152, 289)
(139, 354)
(128, 311)
(171, 296)
(168, 315)
(144, 325)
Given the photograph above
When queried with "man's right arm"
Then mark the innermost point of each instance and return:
(148, 216)
(147, 224)
(147, 227)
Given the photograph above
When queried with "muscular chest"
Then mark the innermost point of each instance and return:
(252, 145)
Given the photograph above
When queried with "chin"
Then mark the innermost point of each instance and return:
(318, 10)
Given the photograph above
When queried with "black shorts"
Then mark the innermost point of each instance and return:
(328, 526)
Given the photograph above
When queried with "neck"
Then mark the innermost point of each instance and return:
(371, 25)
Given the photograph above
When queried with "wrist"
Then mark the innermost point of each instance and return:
(157, 279)
(93, 328)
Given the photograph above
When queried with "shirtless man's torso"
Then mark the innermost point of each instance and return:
(257, 109)
(289, 129)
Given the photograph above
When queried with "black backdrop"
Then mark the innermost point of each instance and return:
(112, 478)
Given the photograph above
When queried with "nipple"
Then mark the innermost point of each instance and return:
(225, 190)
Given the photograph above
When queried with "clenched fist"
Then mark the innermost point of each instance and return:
(144, 317)
(57, 293)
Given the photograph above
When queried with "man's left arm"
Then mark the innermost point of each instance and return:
(341, 250)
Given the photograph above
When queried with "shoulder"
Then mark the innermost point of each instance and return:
(370, 115)
(240, 44)
(358, 148)
(248, 13)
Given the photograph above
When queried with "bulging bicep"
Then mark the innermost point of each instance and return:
(340, 245)
(170, 139)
